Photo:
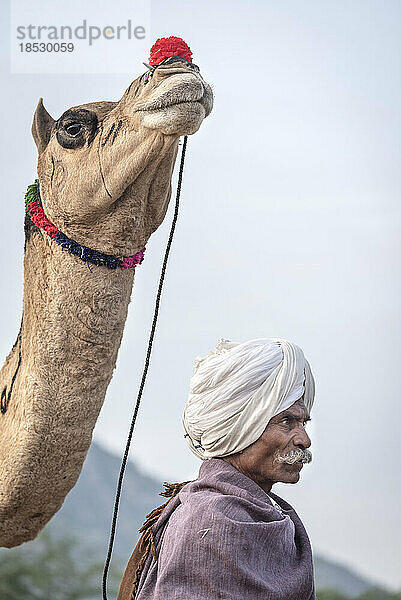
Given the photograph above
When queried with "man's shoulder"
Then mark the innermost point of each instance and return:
(206, 520)
(209, 521)
(198, 500)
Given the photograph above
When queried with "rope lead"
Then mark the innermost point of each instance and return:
(144, 374)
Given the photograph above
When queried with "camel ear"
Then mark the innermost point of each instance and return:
(42, 126)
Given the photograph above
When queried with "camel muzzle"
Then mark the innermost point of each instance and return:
(178, 88)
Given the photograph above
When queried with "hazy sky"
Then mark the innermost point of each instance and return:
(289, 227)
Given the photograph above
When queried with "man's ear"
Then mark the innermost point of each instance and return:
(42, 126)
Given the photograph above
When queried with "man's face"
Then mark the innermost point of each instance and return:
(264, 461)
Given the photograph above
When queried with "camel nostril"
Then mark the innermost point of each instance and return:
(174, 59)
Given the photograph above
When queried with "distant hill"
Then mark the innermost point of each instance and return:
(87, 511)
(331, 575)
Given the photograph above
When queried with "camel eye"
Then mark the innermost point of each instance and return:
(73, 129)
(76, 127)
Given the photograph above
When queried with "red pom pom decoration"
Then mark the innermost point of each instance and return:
(165, 47)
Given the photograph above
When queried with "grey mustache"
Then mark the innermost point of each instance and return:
(303, 456)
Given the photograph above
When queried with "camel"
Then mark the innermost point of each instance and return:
(104, 172)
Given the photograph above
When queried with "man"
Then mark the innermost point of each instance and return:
(226, 535)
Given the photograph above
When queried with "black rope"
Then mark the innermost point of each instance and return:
(144, 374)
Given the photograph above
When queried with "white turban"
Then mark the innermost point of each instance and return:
(238, 388)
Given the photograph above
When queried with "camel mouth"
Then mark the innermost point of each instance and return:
(178, 89)
(164, 105)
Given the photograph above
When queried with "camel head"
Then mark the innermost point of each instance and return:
(105, 168)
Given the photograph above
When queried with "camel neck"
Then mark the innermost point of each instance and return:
(78, 301)
(36, 216)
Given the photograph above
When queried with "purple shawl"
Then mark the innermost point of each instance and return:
(221, 537)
